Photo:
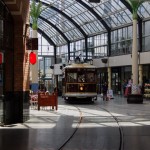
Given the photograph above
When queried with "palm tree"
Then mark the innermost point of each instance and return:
(35, 11)
(135, 5)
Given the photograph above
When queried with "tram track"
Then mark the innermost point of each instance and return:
(80, 122)
(96, 126)
(120, 129)
(77, 127)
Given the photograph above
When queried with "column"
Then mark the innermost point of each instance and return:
(109, 77)
(140, 74)
(34, 68)
(135, 59)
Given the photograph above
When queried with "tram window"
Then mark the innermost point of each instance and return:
(72, 77)
(81, 75)
(90, 77)
(81, 78)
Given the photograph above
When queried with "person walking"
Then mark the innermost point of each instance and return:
(105, 88)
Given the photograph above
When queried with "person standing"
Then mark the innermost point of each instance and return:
(105, 88)
(125, 83)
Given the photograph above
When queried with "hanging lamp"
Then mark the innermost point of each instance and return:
(32, 57)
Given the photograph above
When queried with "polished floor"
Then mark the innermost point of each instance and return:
(104, 125)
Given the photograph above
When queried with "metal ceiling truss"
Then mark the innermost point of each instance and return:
(45, 36)
(78, 27)
(66, 16)
(57, 29)
(95, 14)
(101, 20)
(139, 23)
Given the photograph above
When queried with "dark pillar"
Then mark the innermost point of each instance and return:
(86, 48)
(16, 107)
(140, 34)
(109, 44)
(68, 51)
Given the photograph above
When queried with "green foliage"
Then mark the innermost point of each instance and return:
(135, 5)
(35, 11)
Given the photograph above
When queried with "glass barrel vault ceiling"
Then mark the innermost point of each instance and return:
(66, 21)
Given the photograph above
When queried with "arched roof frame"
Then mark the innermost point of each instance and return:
(112, 13)
(51, 24)
(51, 32)
(129, 7)
(45, 36)
(95, 14)
(139, 23)
(65, 15)
(71, 20)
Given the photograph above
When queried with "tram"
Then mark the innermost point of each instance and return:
(79, 82)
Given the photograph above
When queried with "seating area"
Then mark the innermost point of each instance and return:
(33, 101)
(44, 99)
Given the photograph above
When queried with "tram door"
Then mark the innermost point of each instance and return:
(116, 80)
(1, 93)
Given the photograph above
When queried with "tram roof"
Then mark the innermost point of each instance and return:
(80, 65)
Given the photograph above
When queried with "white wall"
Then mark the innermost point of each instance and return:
(124, 60)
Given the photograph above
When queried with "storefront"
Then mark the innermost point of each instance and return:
(146, 73)
(102, 77)
(118, 75)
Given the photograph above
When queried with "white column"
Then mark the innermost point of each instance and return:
(140, 74)
(34, 68)
(134, 59)
(109, 77)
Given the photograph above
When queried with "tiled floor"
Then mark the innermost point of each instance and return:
(83, 126)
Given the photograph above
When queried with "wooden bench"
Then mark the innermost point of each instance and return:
(47, 100)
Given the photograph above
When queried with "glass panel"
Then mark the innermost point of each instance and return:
(90, 77)
(147, 43)
(144, 10)
(72, 77)
(113, 12)
(146, 38)
(77, 12)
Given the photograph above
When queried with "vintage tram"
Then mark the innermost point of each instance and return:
(80, 82)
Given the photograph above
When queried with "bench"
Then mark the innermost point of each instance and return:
(47, 100)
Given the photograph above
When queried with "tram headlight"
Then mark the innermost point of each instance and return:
(81, 88)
